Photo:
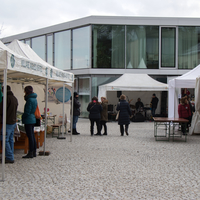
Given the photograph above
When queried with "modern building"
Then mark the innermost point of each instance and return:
(98, 49)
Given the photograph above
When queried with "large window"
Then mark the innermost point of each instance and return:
(38, 45)
(84, 94)
(97, 81)
(108, 46)
(81, 48)
(168, 46)
(28, 41)
(188, 47)
(62, 50)
(50, 49)
(142, 47)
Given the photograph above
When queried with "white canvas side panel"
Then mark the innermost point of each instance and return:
(60, 75)
(102, 92)
(25, 65)
(197, 95)
(171, 102)
(195, 126)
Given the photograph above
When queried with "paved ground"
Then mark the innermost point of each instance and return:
(108, 167)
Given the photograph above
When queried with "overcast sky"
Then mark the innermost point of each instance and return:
(18, 16)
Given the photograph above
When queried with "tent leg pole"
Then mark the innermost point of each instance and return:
(41, 153)
(4, 123)
(62, 129)
(72, 109)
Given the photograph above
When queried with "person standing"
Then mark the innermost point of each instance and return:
(11, 116)
(124, 114)
(154, 104)
(104, 114)
(94, 108)
(184, 112)
(76, 113)
(29, 120)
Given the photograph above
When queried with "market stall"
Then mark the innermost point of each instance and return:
(16, 68)
(187, 80)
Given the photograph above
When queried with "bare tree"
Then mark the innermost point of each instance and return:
(1, 29)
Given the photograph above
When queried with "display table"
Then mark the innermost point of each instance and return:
(51, 118)
(168, 123)
(22, 141)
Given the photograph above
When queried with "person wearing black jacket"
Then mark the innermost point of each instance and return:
(154, 103)
(124, 114)
(11, 116)
(76, 113)
(95, 108)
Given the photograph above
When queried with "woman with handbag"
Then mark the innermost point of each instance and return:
(29, 120)
(124, 114)
(95, 108)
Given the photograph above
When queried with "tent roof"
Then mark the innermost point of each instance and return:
(132, 82)
(136, 82)
(26, 51)
(24, 65)
(187, 80)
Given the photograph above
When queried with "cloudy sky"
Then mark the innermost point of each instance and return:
(26, 15)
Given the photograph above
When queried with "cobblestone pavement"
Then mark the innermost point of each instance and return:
(107, 167)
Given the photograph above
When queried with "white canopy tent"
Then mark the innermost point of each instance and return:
(22, 69)
(187, 80)
(132, 82)
(133, 86)
(24, 50)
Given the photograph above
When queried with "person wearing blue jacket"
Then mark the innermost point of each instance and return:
(124, 114)
(29, 120)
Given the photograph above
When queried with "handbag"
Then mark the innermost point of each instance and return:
(37, 116)
(37, 113)
(117, 116)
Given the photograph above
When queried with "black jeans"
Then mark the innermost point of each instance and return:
(103, 124)
(29, 128)
(184, 126)
(92, 126)
(122, 129)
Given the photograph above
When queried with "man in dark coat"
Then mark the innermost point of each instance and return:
(76, 113)
(95, 108)
(154, 103)
(11, 116)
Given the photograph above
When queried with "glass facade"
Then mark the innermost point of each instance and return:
(81, 48)
(188, 47)
(120, 47)
(84, 94)
(62, 50)
(142, 47)
(97, 81)
(38, 45)
(108, 46)
(50, 49)
(168, 47)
